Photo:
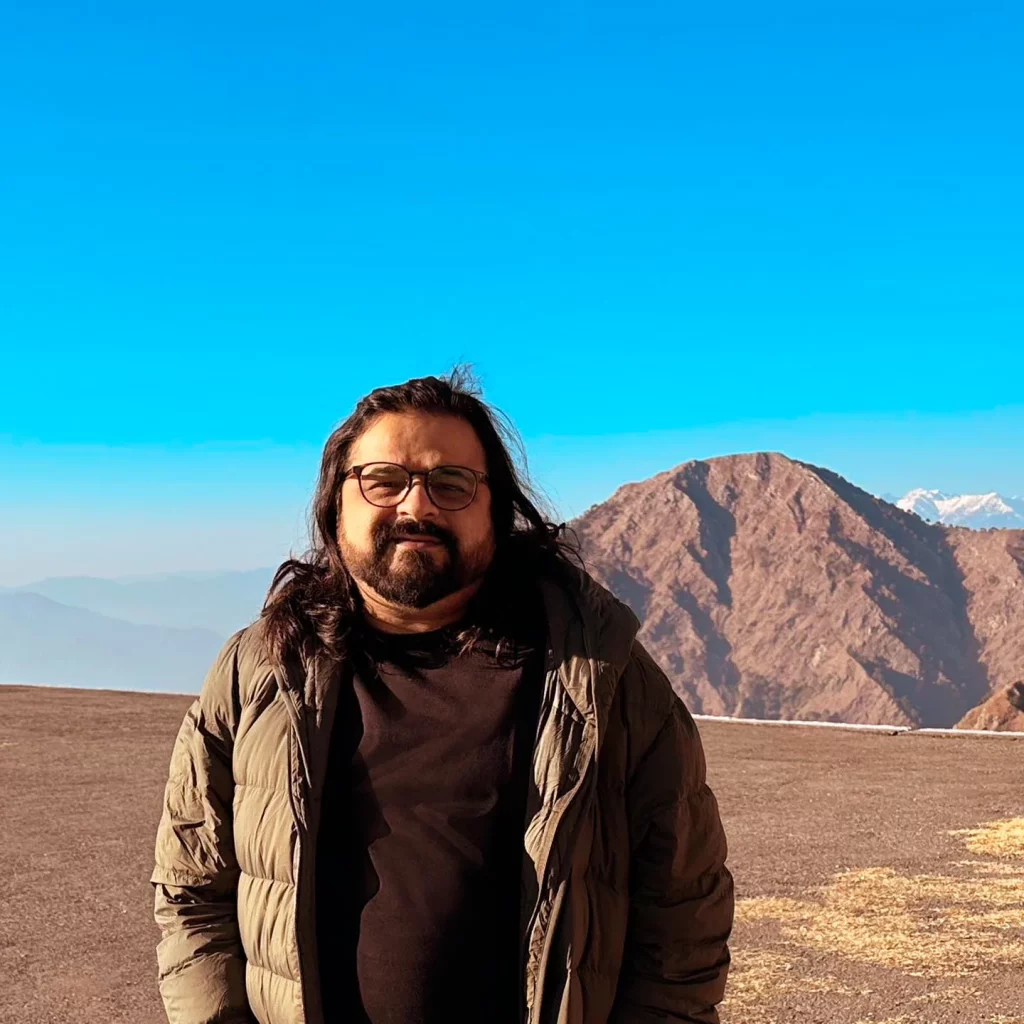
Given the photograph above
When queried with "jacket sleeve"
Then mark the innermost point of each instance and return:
(676, 954)
(200, 959)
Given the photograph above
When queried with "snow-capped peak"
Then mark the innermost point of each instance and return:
(974, 510)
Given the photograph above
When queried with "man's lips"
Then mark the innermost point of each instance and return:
(417, 540)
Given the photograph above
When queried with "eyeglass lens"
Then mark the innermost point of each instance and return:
(385, 485)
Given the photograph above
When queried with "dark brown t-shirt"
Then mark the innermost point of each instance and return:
(420, 850)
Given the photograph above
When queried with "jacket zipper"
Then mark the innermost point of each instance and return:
(530, 1015)
(545, 871)
(302, 823)
(580, 788)
(524, 942)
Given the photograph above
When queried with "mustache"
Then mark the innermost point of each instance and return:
(390, 533)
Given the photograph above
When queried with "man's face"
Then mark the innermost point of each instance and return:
(416, 553)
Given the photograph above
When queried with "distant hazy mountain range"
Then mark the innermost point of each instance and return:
(220, 601)
(141, 633)
(977, 511)
(53, 644)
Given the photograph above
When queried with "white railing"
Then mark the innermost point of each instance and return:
(889, 730)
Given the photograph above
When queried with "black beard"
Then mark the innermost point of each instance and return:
(416, 581)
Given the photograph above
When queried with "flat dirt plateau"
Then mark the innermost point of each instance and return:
(879, 878)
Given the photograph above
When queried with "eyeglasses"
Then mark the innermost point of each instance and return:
(385, 484)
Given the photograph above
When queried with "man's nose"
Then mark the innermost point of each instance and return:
(417, 502)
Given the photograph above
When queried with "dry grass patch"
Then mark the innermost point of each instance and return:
(953, 994)
(989, 867)
(996, 838)
(758, 976)
(934, 926)
(770, 908)
(929, 925)
(926, 925)
(902, 1019)
(914, 1019)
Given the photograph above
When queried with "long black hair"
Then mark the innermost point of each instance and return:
(313, 603)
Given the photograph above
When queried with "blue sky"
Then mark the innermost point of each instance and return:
(659, 231)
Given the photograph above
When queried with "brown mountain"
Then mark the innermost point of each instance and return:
(771, 588)
(1003, 711)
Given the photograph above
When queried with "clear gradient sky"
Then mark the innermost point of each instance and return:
(660, 231)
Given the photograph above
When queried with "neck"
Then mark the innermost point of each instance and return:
(394, 618)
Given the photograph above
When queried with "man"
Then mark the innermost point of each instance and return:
(440, 778)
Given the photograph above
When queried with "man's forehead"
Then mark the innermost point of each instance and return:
(418, 439)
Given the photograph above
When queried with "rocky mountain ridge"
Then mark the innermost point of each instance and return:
(1003, 711)
(772, 588)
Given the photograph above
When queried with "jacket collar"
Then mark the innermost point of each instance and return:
(591, 635)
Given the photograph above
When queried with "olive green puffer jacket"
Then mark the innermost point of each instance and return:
(627, 904)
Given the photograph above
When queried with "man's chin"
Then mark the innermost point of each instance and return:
(419, 593)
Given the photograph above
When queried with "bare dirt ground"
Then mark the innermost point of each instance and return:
(879, 878)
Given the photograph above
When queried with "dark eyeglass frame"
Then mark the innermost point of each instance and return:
(478, 478)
